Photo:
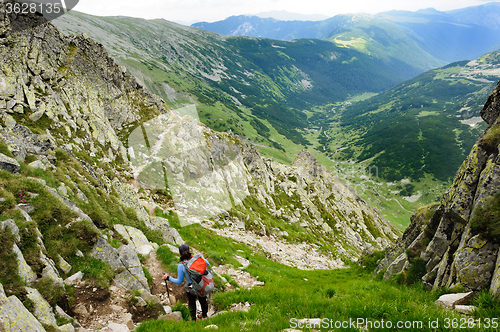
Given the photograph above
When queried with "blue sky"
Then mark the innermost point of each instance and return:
(213, 10)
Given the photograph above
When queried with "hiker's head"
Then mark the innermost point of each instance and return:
(184, 252)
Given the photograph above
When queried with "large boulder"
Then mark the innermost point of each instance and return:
(12, 226)
(128, 197)
(475, 263)
(9, 164)
(135, 238)
(42, 310)
(125, 260)
(14, 317)
(133, 277)
(105, 252)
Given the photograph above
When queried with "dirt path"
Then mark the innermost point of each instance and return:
(156, 270)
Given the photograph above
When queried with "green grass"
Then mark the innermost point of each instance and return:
(10, 280)
(290, 293)
(486, 220)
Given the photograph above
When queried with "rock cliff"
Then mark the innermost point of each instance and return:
(457, 239)
(76, 158)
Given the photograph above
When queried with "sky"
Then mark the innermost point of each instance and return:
(190, 11)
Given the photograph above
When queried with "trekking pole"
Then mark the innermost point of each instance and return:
(168, 293)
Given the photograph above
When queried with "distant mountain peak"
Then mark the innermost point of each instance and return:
(283, 15)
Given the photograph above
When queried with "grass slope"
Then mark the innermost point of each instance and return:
(290, 294)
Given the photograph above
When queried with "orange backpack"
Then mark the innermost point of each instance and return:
(202, 279)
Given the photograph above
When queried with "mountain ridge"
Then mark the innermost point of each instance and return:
(434, 31)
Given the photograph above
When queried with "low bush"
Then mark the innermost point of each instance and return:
(486, 220)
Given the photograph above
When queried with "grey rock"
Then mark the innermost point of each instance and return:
(127, 280)
(153, 299)
(475, 263)
(449, 301)
(15, 146)
(128, 257)
(62, 190)
(135, 238)
(115, 327)
(64, 265)
(465, 309)
(158, 223)
(50, 272)
(9, 164)
(20, 318)
(38, 164)
(62, 314)
(128, 197)
(3, 297)
(172, 236)
(26, 207)
(24, 213)
(175, 316)
(66, 328)
(104, 251)
(140, 301)
(81, 195)
(81, 329)
(74, 279)
(42, 310)
(495, 280)
(24, 270)
(81, 310)
(12, 226)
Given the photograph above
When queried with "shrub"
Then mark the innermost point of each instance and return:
(486, 220)
(179, 306)
(416, 271)
(97, 271)
(491, 138)
(370, 262)
(51, 292)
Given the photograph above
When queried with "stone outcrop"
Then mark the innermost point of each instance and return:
(136, 239)
(15, 317)
(41, 308)
(125, 261)
(459, 254)
(9, 164)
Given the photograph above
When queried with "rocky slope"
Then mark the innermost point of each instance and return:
(74, 211)
(457, 239)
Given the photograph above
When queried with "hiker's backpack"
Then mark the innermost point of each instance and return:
(202, 279)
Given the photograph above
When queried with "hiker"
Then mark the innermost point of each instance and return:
(192, 294)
